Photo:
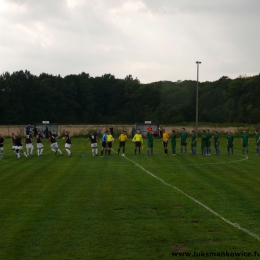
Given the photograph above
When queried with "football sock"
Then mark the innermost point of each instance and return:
(41, 151)
(59, 151)
(53, 150)
(181, 150)
(102, 152)
(32, 150)
(96, 150)
(118, 151)
(93, 152)
(38, 151)
(139, 150)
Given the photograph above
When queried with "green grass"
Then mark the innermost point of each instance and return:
(55, 207)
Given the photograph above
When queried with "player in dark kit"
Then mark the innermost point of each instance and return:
(94, 145)
(19, 147)
(2, 141)
(230, 143)
(54, 145)
(39, 143)
(29, 144)
(68, 143)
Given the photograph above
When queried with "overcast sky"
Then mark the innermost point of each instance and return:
(152, 40)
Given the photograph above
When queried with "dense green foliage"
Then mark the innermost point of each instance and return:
(83, 99)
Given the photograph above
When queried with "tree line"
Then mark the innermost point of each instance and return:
(76, 99)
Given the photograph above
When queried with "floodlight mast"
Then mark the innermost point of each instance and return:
(197, 97)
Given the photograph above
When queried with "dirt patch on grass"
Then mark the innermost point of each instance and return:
(149, 208)
(179, 248)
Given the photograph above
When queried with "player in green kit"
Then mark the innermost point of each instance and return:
(230, 143)
(257, 141)
(216, 142)
(184, 137)
(173, 142)
(245, 142)
(150, 143)
(208, 142)
(203, 142)
(193, 142)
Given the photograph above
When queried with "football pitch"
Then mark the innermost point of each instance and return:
(129, 207)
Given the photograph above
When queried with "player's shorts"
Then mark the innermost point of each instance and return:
(245, 145)
(29, 146)
(165, 143)
(94, 145)
(109, 144)
(122, 144)
(183, 143)
(18, 147)
(257, 144)
(203, 145)
(54, 145)
(67, 145)
(216, 145)
(230, 146)
(208, 143)
(137, 144)
(150, 144)
(194, 145)
(104, 144)
(173, 145)
(13, 147)
(39, 145)
(1, 148)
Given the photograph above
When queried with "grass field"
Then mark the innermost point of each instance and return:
(132, 207)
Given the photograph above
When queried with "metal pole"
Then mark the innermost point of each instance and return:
(197, 97)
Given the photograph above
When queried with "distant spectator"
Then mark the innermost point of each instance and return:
(35, 131)
(46, 131)
(28, 129)
(111, 128)
(133, 132)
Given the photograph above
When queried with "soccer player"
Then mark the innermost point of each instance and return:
(2, 141)
(193, 142)
(165, 137)
(29, 143)
(203, 142)
(173, 142)
(54, 145)
(257, 141)
(184, 138)
(39, 143)
(150, 143)
(208, 142)
(13, 144)
(110, 140)
(19, 147)
(94, 146)
(68, 143)
(216, 142)
(245, 142)
(122, 140)
(230, 143)
(104, 143)
(138, 140)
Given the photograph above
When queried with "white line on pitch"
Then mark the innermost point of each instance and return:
(198, 202)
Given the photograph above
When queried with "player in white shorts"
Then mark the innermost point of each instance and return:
(29, 143)
(68, 143)
(19, 147)
(39, 143)
(2, 141)
(94, 146)
(54, 145)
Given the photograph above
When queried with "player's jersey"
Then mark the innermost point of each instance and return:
(93, 139)
(184, 136)
(138, 138)
(110, 138)
(18, 141)
(150, 138)
(28, 139)
(216, 139)
(2, 142)
(204, 138)
(68, 139)
(13, 141)
(39, 138)
(257, 138)
(230, 139)
(173, 139)
(53, 140)
(104, 138)
(245, 138)
(209, 136)
(193, 137)
(122, 138)
(165, 137)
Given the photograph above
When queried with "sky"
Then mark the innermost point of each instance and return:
(152, 40)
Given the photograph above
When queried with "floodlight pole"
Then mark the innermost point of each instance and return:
(197, 97)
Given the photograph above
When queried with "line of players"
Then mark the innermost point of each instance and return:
(108, 139)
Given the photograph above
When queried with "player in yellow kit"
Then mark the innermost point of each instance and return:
(138, 140)
(165, 137)
(122, 140)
